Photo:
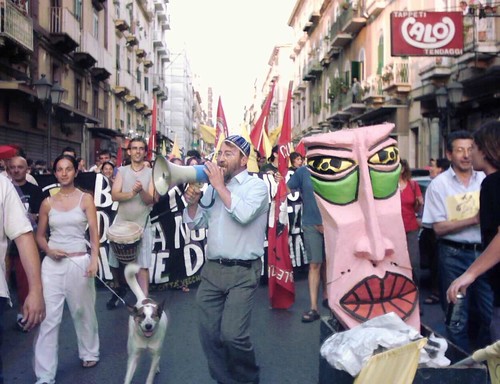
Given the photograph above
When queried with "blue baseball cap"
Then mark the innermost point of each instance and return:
(239, 142)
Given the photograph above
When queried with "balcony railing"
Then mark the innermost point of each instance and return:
(165, 22)
(396, 76)
(373, 90)
(351, 20)
(89, 45)
(105, 60)
(15, 25)
(480, 34)
(62, 21)
(339, 38)
(313, 70)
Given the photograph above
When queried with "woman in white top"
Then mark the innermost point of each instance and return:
(68, 270)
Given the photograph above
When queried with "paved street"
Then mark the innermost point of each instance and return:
(287, 350)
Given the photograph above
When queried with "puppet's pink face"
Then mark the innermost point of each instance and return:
(355, 177)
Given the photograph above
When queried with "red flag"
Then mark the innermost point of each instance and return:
(221, 126)
(262, 124)
(119, 156)
(281, 282)
(300, 148)
(152, 137)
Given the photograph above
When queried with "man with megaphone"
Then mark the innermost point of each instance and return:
(234, 209)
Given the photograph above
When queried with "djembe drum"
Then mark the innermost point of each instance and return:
(125, 238)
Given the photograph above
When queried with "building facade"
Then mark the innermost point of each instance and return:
(109, 56)
(345, 75)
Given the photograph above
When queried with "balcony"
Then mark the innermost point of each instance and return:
(160, 5)
(159, 42)
(158, 84)
(312, 71)
(104, 66)
(396, 77)
(131, 99)
(312, 22)
(121, 25)
(16, 27)
(353, 104)
(438, 68)
(165, 22)
(166, 58)
(373, 93)
(124, 83)
(352, 20)
(374, 7)
(64, 29)
(86, 54)
(337, 115)
(480, 40)
(140, 53)
(338, 39)
(147, 63)
(140, 106)
(99, 4)
(147, 7)
(131, 40)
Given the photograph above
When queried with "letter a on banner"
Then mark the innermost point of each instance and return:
(280, 273)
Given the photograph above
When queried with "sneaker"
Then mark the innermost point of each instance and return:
(114, 301)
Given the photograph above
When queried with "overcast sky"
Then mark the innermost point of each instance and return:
(229, 43)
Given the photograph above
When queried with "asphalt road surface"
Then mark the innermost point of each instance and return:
(287, 349)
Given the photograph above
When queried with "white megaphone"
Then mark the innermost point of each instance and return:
(167, 174)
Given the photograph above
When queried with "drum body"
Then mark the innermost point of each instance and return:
(125, 238)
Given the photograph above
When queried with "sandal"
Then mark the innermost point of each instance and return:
(310, 316)
(432, 299)
(89, 363)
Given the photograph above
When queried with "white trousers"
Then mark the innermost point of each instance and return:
(65, 280)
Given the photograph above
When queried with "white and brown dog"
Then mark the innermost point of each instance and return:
(146, 328)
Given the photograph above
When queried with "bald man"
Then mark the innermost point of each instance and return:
(31, 197)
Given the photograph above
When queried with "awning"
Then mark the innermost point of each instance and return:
(376, 115)
(104, 133)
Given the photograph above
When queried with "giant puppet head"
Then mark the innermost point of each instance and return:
(355, 176)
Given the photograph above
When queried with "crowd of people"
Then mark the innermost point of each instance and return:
(455, 225)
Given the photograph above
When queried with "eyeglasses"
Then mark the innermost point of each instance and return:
(137, 148)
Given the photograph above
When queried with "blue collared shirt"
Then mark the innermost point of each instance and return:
(238, 232)
(439, 197)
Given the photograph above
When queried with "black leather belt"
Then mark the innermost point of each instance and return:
(464, 246)
(233, 262)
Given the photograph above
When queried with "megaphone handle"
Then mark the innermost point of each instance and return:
(201, 176)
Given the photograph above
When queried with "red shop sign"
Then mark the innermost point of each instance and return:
(421, 33)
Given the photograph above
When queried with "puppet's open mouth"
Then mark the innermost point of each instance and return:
(374, 296)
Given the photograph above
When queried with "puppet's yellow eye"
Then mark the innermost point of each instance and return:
(329, 165)
(386, 156)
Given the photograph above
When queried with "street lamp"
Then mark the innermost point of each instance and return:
(50, 94)
(447, 98)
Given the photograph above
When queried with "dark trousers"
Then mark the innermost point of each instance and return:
(452, 263)
(225, 300)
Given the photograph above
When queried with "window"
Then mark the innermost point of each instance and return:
(118, 56)
(129, 66)
(138, 75)
(146, 83)
(95, 102)
(380, 54)
(95, 23)
(78, 10)
(78, 93)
